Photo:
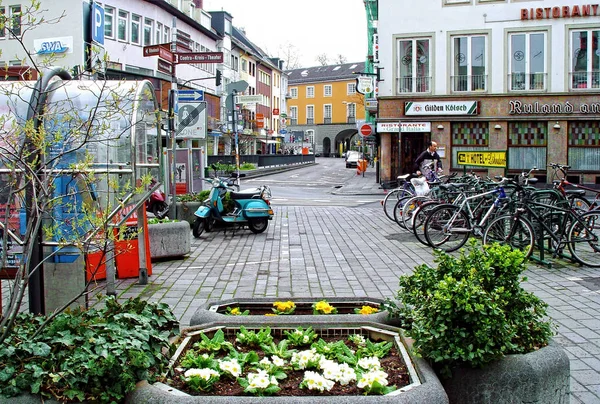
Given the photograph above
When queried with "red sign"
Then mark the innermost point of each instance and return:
(260, 120)
(203, 57)
(366, 129)
(157, 50)
(275, 111)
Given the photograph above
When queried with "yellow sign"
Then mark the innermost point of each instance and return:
(482, 158)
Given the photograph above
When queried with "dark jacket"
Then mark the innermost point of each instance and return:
(424, 159)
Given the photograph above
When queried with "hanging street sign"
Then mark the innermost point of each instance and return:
(249, 99)
(201, 57)
(364, 84)
(191, 96)
(161, 52)
(164, 67)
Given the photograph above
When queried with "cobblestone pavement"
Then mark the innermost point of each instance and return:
(338, 251)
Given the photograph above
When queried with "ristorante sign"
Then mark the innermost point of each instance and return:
(539, 13)
(524, 108)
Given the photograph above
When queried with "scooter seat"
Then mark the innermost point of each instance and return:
(245, 194)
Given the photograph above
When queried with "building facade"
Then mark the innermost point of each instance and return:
(324, 108)
(511, 75)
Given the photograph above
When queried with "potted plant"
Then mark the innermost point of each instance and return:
(309, 310)
(488, 338)
(347, 363)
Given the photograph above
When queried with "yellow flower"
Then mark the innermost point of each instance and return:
(270, 314)
(324, 307)
(284, 307)
(368, 310)
(235, 311)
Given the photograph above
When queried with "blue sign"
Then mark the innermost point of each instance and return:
(191, 95)
(50, 47)
(283, 131)
(97, 23)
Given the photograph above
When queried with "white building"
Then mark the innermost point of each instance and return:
(479, 75)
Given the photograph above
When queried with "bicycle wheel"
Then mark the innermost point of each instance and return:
(579, 203)
(418, 220)
(398, 210)
(392, 198)
(514, 231)
(410, 207)
(447, 227)
(583, 238)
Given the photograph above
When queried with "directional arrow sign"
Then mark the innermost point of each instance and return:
(157, 50)
(191, 95)
(202, 57)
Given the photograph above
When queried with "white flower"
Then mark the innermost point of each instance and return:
(371, 363)
(231, 366)
(358, 339)
(265, 362)
(341, 373)
(260, 380)
(201, 373)
(345, 374)
(305, 339)
(315, 381)
(303, 358)
(277, 361)
(369, 378)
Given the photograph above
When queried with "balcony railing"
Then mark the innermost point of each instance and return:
(527, 82)
(351, 119)
(326, 120)
(293, 121)
(580, 80)
(465, 82)
(310, 121)
(411, 84)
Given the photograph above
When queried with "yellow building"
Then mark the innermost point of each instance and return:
(324, 107)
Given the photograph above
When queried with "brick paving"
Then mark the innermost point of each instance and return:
(341, 251)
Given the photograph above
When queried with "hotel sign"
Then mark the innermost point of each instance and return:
(394, 127)
(441, 108)
(482, 158)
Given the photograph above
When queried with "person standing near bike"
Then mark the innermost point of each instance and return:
(423, 164)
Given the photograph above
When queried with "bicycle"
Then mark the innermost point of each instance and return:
(563, 226)
(448, 226)
(575, 196)
(405, 188)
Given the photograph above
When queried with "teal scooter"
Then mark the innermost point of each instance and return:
(252, 208)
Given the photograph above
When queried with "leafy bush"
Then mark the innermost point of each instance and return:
(199, 197)
(472, 310)
(247, 166)
(93, 355)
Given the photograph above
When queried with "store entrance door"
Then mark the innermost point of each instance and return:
(411, 145)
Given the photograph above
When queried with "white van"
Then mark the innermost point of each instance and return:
(352, 157)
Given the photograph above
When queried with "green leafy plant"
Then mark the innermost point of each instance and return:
(252, 338)
(243, 358)
(472, 309)
(193, 360)
(199, 197)
(247, 166)
(300, 336)
(155, 220)
(377, 349)
(259, 383)
(201, 379)
(281, 350)
(214, 344)
(81, 353)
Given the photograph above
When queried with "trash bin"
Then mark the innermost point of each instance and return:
(127, 258)
(361, 166)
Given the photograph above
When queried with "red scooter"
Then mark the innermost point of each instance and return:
(156, 203)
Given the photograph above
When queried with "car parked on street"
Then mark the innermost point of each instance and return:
(352, 158)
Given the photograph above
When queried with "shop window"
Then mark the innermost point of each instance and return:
(413, 72)
(469, 136)
(527, 145)
(584, 145)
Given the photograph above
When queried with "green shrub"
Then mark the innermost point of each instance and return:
(471, 309)
(247, 166)
(199, 197)
(92, 355)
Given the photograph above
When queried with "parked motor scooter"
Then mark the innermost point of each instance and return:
(156, 202)
(251, 208)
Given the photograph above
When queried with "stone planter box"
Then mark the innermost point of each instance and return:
(212, 312)
(185, 211)
(424, 385)
(170, 239)
(537, 377)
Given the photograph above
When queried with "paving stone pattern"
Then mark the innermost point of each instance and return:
(337, 251)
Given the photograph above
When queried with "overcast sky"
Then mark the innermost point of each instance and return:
(334, 27)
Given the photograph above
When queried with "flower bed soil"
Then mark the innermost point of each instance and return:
(392, 364)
